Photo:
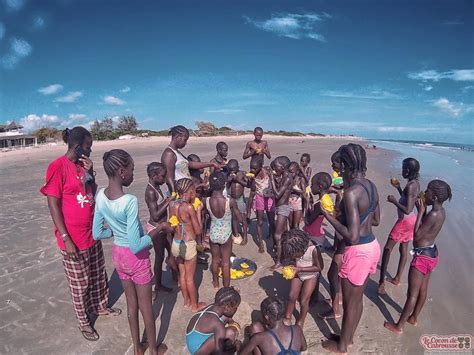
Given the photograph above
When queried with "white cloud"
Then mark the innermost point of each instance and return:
(77, 116)
(38, 23)
(364, 95)
(21, 47)
(434, 75)
(112, 100)
(406, 129)
(294, 26)
(2, 30)
(14, 5)
(72, 96)
(451, 108)
(467, 88)
(452, 23)
(226, 111)
(428, 88)
(33, 122)
(125, 89)
(50, 89)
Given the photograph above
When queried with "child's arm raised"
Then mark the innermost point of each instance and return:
(156, 212)
(284, 186)
(411, 193)
(248, 151)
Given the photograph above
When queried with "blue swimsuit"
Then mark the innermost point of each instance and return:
(284, 351)
(195, 339)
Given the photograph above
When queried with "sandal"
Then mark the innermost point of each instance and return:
(91, 336)
(111, 312)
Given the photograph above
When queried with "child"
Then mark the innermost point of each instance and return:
(274, 337)
(257, 146)
(425, 253)
(158, 207)
(236, 183)
(296, 196)
(187, 223)
(221, 209)
(212, 330)
(263, 201)
(281, 182)
(403, 229)
(221, 158)
(320, 185)
(130, 250)
(297, 247)
(305, 168)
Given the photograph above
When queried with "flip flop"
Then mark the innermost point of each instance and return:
(111, 312)
(90, 336)
(329, 316)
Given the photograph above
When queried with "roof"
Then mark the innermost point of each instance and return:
(11, 126)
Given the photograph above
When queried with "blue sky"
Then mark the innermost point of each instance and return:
(378, 69)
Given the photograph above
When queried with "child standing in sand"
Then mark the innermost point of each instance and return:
(305, 169)
(263, 201)
(257, 146)
(402, 231)
(158, 207)
(425, 253)
(274, 336)
(281, 182)
(130, 250)
(236, 184)
(308, 260)
(297, 195)
(221, 157)
(221, 209)
(186, 220)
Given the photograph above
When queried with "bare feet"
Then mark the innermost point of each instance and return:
(393, 280)
(329, 315)
(300, 323)
(215, 284)
(337, 337)
(140, 349)
(261, 249)
(187, 303)
(276, 266)
(393, 328)
(244, 241)
(381, 289)
(332, 346)
(412, 320)
(287, 321)
(162, 348)
(199, 306)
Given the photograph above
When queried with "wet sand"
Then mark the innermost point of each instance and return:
(35, 307)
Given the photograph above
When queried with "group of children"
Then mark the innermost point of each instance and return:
(209, 211)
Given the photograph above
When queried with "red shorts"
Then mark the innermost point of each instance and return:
(424, 264)
(403, 229)
(358, 261)
(133, 267)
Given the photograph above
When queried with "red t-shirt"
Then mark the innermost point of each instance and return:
(65, 180)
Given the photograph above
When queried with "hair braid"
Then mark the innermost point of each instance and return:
(227, 296)
(183, 185)
(115, 159)
(294, 243)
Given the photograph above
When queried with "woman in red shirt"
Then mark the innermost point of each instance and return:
(70, 188)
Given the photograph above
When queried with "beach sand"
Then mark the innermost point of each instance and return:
(35, 307)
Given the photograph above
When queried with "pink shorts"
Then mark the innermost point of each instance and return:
(358, 261)
(261, 203)
(403, 229)
(424, 264)
(129, 266)
(149, 227)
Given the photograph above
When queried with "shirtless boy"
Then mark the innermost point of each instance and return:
(236, 183)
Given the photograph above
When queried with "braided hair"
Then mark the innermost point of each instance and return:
(115, 159)
(227, 296)
(217, 181)
(178, 131)
(183, 185)
(154, 168)
(272, 308)
(354, 159)
(336, 156)
(74, 136)
(413, 167)
(294, 243)
(441, 190)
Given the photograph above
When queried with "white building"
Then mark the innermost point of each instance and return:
(12, 137)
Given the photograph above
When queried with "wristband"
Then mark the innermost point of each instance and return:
(64, 237)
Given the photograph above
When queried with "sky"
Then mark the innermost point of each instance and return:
(376, 69)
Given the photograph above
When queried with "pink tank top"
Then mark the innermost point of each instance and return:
(315, 229)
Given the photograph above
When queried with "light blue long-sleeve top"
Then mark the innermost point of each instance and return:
(122, 217)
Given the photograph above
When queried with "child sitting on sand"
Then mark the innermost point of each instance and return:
(274, 336)
(212, 330)
(297, 195)
(158, 207)
(308, 263)
(186, 220)
(221, 209)
(130, 253)
(263, 201)
(281, 182)
(236, 183)
(425, 253)
(320, 185)
(403, 229)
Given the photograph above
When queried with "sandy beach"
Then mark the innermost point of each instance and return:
(35, 307)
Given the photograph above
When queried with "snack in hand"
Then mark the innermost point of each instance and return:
(327, 204)
(196, 203)
(174, 221)
(250, 175)
(394, 182)
(288, 272)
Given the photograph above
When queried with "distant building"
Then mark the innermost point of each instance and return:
(12, 137)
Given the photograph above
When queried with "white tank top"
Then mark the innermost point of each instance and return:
(181, 167)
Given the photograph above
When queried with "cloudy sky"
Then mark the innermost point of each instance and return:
(378, 69)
